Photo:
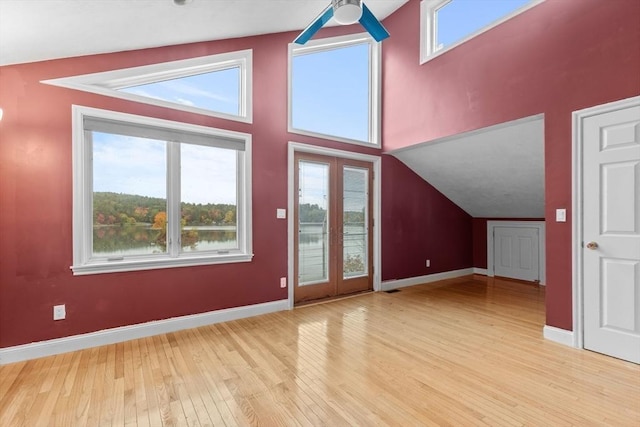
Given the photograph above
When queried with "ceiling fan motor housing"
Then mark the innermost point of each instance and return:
(347, 12)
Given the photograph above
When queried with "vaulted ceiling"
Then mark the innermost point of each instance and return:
(495, 172)
(36, 30)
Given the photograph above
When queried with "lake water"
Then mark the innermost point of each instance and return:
(130, 240)
(116, 240)
(313, 254)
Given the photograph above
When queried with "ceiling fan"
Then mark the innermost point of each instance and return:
(345, 12)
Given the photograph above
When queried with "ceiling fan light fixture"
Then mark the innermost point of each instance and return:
(347, 12)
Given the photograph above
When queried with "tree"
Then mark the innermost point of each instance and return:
(160, 221)
(230, 217)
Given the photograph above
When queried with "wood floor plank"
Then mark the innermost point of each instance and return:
(461, 352)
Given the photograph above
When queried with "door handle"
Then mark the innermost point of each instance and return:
(592, 245)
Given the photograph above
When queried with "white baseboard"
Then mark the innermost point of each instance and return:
(561, 336)
(482, 271)
(125, 333)
(387, 285)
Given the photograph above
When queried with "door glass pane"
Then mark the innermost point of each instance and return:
(355, 222)
(129, 195)
(313, 223)
(208, 191)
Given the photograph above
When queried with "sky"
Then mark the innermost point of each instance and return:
(331, 92)
(132, 165)
(194, 91)
(459, 18)
(330, 96)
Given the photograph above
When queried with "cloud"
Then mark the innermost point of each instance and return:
(131, 165)
(185, 102)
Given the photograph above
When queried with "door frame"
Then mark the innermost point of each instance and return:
(540, 225)
(577, 236)
(294, 147)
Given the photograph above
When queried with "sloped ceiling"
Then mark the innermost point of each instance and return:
(36, 30)
(495, 172)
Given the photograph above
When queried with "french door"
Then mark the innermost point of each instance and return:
(333, 225)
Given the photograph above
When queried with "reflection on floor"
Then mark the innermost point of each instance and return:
(460, 352)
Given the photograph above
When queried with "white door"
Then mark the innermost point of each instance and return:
(611, 232)
(516, 253)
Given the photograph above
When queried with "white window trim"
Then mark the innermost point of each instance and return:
(83, 209)
(107, 83)
(428, 27)
(375, 78)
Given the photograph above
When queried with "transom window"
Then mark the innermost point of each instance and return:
(334, 89)
(448, 23)
(151, 193)
(215, 91)
(215, 85)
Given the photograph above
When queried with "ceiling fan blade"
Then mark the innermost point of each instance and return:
(313, 28)
(372, 25)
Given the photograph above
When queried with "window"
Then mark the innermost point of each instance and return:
(215, 85)
(334, 89)
(151, 193)
(445, 24)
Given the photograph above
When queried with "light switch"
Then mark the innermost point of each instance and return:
(281, 213)
(561, 215)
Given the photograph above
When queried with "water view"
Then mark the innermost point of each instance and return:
(314, 252)
(143, 239)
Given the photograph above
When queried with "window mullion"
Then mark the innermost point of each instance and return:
(240, 209)
(173, 199)
(87, 196)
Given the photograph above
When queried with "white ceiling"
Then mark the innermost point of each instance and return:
(35, 30)
(495, 172)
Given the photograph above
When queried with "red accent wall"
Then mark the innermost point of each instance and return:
(36, 201)
(420, 223)
(479, 228)
(558, 57)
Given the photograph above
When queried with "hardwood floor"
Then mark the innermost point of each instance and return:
(462, 352)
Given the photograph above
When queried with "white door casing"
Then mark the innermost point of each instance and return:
(523, 245)
(516, 253)
(610, 249)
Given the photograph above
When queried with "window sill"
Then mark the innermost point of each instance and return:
(136, 264)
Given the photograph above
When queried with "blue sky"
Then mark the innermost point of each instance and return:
(330, 92)
(196, 91)
(459, 18)
(330, 96)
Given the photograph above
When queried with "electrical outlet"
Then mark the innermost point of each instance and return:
(428, 263)
(59, 312)
(283, 282)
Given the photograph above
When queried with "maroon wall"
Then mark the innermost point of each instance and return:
(558, 57)
(479, 231)
(420, 223)
(36, 201)
(480, 238)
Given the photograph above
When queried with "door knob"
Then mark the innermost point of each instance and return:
(592, 245)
